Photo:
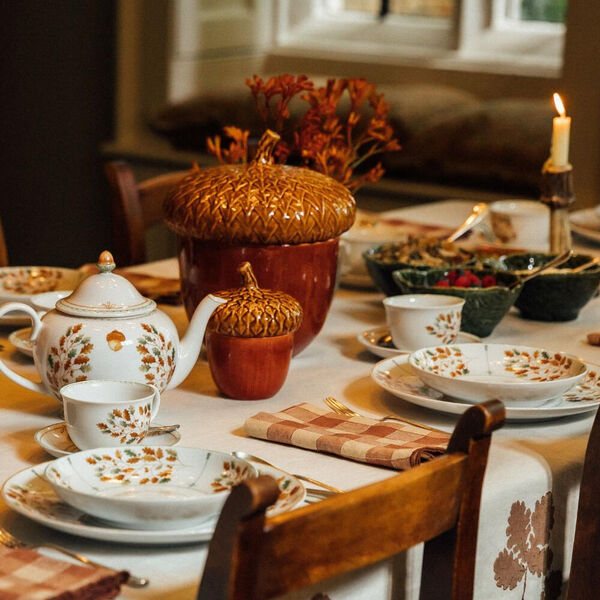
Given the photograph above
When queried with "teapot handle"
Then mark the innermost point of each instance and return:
(37, 324)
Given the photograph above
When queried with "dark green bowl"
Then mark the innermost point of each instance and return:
(484, 307)
(381, 271)
(555, 296)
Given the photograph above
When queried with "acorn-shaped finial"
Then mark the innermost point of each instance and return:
(251, 311)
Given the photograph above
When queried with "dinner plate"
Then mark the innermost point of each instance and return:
(586, 223)
(55, 440)
(20, 340)
(370, 337)
(29, 494)
(396, 376)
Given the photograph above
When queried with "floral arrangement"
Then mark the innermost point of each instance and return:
(326, 138)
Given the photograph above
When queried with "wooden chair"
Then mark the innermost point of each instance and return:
(253, 557)
(3, 253)
(584, 579)
(135, 207)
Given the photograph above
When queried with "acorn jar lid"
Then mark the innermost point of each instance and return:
(254, 312)
(105, 294)
(259, 202)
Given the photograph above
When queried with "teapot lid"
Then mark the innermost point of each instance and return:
(106, 294)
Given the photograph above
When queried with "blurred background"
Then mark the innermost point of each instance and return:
(469, 82)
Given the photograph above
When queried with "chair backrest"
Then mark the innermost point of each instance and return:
(584, 579)
(135, 207)
(254, 557)
(3, 253)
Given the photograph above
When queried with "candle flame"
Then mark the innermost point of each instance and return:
(560, 107)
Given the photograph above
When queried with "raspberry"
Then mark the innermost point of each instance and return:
(462, 281)
(442, 283)
(452, 275)
(488, 281)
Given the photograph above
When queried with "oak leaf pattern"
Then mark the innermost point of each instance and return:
(69, 360)
(528, 549)
(130, 425)
(157, 357)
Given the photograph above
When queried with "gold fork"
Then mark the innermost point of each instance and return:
(342, 409)
(10, 541)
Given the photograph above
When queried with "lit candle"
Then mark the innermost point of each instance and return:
(561, 129)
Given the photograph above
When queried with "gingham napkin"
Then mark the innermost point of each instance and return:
(390, 444)
(28, 575)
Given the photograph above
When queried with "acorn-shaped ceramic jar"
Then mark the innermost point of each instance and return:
(250, 339)
(285, 220)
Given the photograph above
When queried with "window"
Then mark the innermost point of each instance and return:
(509, 36)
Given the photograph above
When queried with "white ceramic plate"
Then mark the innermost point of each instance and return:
(517, 375)
(30, 495)
(586, 223)
(148, 487)
(396, 376)
(20, 340)
(55, 440)
(370, 337)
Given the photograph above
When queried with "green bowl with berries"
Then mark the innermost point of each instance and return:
(416, 253)
(488, 293)
(557, 294)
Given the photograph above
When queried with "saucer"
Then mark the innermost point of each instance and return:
(396, 376)
(55, 440)
(20, 340)
(370, 337)
(29, 494)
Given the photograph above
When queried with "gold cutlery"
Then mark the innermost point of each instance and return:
(262, 461)
(342, 409)
(10, 541)
(478, 212)
(160, 429)
(584, 266)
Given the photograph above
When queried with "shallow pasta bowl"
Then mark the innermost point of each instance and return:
(143, 487)
(516, 375)
(20, 284)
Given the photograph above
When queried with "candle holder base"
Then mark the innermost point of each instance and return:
(557, 193)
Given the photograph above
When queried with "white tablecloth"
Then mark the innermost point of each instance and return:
(528, 462)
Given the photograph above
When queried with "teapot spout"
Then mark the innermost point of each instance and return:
(190, 344)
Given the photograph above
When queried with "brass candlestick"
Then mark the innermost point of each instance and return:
(557, 193)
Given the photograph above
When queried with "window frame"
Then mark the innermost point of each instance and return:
(479, 36)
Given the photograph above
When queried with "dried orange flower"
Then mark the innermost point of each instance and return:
(324, 139)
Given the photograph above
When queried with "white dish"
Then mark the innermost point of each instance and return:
(586, 223)
(55, 440)
(30, 495)
(396, 376)
(145, 487)
(20, 284)
(370, 337)
(20, 340)
(516, 375)
(47, 301)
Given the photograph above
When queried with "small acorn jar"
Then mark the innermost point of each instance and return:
(250, 339)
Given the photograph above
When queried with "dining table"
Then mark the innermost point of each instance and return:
(530, 492)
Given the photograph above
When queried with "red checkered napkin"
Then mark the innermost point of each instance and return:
(390, 444)
(28, 575)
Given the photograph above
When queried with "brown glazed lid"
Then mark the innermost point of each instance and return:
(259, 202)
(253, 312)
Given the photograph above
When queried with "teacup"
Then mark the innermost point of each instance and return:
(102, 413)
(521, 223)
(420, 320)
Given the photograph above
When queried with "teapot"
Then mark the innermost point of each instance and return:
(107, 330)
